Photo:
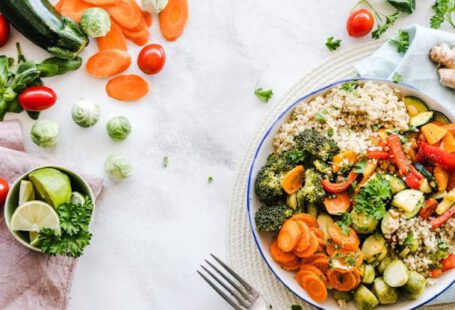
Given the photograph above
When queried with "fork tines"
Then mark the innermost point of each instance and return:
(236, 291)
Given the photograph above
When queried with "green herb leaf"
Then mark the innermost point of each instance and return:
(359, 167)
(401, 41)
(330, 132)
(397, 78)
(406, 6)
(350, 86)
(373, 197)
(382, 28)
(332, 44)
(320, 118)
(264, 95)
(345, 222)
(443, 10)
(165, 161)
(210, 179)
(409, 238)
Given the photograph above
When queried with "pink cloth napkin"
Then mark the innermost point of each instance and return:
(28, 279)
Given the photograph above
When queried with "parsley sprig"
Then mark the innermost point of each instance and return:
(401, 41)
(345, 222)
(263, 95)
(332, 44)
(443, 10)
(74, 236)
(373, 197)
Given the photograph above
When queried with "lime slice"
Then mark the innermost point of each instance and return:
(26, 192)
(34, 240)
(77, 198)
(34, 216)
(52, 185)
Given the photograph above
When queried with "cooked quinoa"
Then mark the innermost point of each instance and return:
(350, 117)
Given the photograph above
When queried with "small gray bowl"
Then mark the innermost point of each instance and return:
(77, 184)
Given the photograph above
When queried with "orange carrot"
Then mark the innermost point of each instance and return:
(289, 236)
(306, 269)
(346, 261)
(315, 287)
(279, 256)
(108, 63)
(58, 5)
(304, 241)
(342, 281)
(442, 178)
(331, 247)
(102, 2)
(337, 203)
(308, 219)
(312, 247)
(74, 9)
(173, 19)
(114, 39)
(347, 240)
(292, 180)
(292, 265)
(128, 87)
(127, 14)
(140, 37)
(148, 19)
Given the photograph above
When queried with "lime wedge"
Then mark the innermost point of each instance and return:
(52, 185)
(34, 240)
(26, 192)
(77, 198)
(34, 216)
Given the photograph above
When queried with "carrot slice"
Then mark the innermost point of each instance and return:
(148, 19)
(138, 37)
(108, 63)
(58, 5)
(304, 241)
(315, 287)
(289, 236)
(314, 257)
(346, 261)
(280, 256)
(306, 269)
(74, 9)
(342, 281)
(312, 247)
(173, 19)
(331, 247)
(347, 241)
(127, 87)
(127, 14)
(293, 180)
(102, 2)
(337, 203)
(292, 265)
(114, 39)
(305, 217)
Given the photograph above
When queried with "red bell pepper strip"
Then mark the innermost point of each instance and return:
(428, 208)
(440, 220)
(394, 144)
(448, 263)
(435, 273)
(442, 158)
(335, 188)
(412, 181)
(378, 154)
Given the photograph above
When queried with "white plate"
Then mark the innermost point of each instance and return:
(263, 240)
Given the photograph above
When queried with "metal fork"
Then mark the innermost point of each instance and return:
(242, 295)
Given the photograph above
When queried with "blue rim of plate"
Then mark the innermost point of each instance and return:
(250, 180)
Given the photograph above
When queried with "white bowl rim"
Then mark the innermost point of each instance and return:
(251, 177)
(15, 183)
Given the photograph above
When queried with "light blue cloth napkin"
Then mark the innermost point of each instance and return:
(417, 70)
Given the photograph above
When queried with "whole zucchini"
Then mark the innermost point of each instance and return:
(40, 22)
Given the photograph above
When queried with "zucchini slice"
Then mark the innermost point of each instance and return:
(446, 203)
(441, 118)
(408, 200)
(427, 175)
(413, 213)
(425, 187)
(415, 106)
(421, 119)
(396, 184)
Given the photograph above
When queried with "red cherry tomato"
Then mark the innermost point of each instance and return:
(4, 188)
(360, 23)
(4, 30)
(151, 59)
(37, 98)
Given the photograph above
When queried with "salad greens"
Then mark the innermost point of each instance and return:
(332, 44)
(264, 95)
(373, 197)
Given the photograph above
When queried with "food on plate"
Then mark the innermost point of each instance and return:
(153, 6)
(48, 217)
(151, 59)
(4, 30)
(360, 23)
(359, 195)
(118, 128)
(173, 19)
(127, 87)
(95, 22)
(45, 133)
(44, 26)
(108, 63)
(4, 189)
(85, 113)
(118, 167)
(444, 56)
(37, 98)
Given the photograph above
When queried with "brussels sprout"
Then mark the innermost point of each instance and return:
(396, 273)
(339, 295)
(385, 294)
(374, 249)
(383, 264)
(388, 221)
(118, 167)
(95, 22)
(364, 298)
(368, 274)
(118, 128)
(153, 6)
(415, 285)
(45, 133)
(363, 223)
(293, 202)
(85, 113)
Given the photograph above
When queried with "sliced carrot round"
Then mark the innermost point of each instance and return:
(342, 281)
(347, 240)
(337, 203)
(304, 241)
(102, 2)
(127, 14)
(173, 19)
(108, 63)
(114, 39)
(312, 247)
(140, 37)
(280, 256)
(308, 219)
(322, 264)
(314, 287)
(289, 236)
(346, 261)
(331, 247)
(293, 180)
(304, 271)
(128, 87)
(292, 265)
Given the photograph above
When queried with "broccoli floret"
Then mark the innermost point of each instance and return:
(271, 218)
(317, 145)
(312, 191)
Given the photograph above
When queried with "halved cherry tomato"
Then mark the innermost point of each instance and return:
(37, 98)
(360, 23)
(4, 30)
(4, 188)
(151, 59)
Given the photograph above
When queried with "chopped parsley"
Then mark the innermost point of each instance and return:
(350, 260)
(443, 10)
(397, 78)
(332, 44)
(263, 95)
(320, 118)
(165, 161)
(330, 132)
(401, 41)
(210, 179)
(359, 167)
(350, 86)
(382, 28)
(373, 197)
(345, 222)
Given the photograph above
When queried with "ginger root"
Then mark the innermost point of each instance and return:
(444, 56)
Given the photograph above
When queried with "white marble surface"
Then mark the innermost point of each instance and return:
(152, 231)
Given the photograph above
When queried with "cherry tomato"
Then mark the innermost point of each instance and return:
(4, 30)
(360, 23)
(4, 188)
(37, 98)
(151, 59)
